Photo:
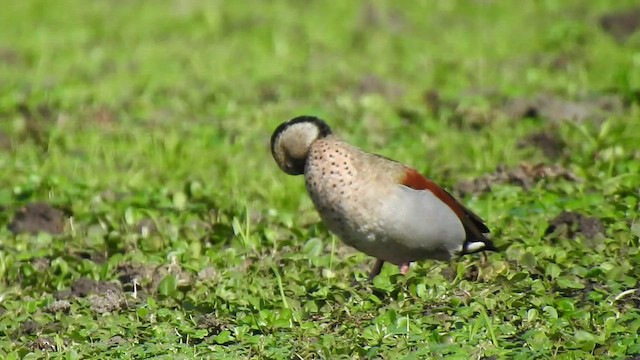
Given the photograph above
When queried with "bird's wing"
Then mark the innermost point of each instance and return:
(474, 226)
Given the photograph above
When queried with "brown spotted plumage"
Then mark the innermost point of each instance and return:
(376, 205)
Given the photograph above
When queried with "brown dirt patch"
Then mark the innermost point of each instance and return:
(524, 175)
(183, 278)
(129, 273)
(58, 306)
(43, 344)
(373, 15)
(116, 341)
(478, 108)
(103, 117)
(106, 302)
(41, 264)
(98, 257)
(471, 273)
(10, 56)
(448, 273)
(268, 93)
(37, 217)
(148, 277)
(621, 24)
(461, 112)
(208, 274)
(62, 294)
(555, 109)
(29, 327)
(5, 141)
(551, 145)
(38, 122)
(103, 296)
(569, 224)
(85, 286)
(433, 101)
(371, 84)
(211, 323)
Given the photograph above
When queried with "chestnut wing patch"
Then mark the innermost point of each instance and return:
(473, 224)
(416, 181)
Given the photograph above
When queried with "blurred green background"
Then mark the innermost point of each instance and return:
(147, 123)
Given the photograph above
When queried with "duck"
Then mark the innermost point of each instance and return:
(379, 206)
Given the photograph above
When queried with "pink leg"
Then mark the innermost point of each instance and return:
(404, 268)
(377, 267)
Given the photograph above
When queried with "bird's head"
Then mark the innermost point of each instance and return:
(291, 141)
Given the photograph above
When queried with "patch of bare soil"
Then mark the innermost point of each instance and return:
(98, 257)
(10, 56)
(103, 116)
(110, 196)
(459, 115)
(555, 109)
(471, 273)
(208, 274)
(371, 84)
(569, 224)
(268, 93)
(435, 103)
(373, 15)
(130, 274)
(5, 141)
(37, 217)
(551, 145)
(472, 117)
(85, 286)
(58, 306)
(104, 296)
(621, 24)
(524, 175)
(38, 122)
(116, 341)
(213, 324)
(107, 302)
(41, 264)
(148, 277)
(448, 273)
(544, 106)
(29, 327)
(43, 344)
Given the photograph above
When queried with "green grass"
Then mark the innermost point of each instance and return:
(161, 112)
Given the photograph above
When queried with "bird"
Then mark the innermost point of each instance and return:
(374, 204)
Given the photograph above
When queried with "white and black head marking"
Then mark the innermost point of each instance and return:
(291, 141)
